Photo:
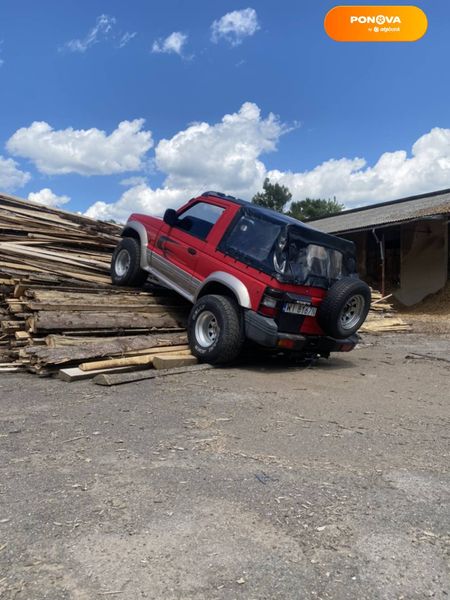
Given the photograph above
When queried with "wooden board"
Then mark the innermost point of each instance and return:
(58, 320)
(143, 359)
(111, 307)
(172, 361)
(83, 352)
(120, 379)
(72, 374)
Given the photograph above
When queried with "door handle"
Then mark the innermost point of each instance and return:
(192, 251)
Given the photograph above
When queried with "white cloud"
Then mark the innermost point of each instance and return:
(11, 177)
(126, 38)
(394, 175)
(100, 31)
(172, 44)
(227, 156)
(82, 151)
(48, 198)
(235, 26)
(223, 155)
(133, 181)
(139, 198)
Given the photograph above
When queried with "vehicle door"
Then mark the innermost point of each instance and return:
(177, 248)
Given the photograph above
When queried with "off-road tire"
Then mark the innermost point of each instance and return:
(133, 276)
(344, 308)
(230, 333)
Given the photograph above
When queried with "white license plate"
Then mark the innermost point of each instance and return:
(300, 308)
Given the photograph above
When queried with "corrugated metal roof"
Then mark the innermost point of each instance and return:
(387, 213)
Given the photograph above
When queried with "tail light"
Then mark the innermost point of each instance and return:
(270, 302)
(286, 343)
(346, 347)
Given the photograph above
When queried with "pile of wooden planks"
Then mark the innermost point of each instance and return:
(382, 317)
(49, 327)
(45, 245)
(58, 309)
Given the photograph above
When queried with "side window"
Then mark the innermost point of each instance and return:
(253, 237)
(199, 219)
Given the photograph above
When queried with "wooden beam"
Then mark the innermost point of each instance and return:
(171, 361)
(120, 346)
(22, 335)
(79, 320)
(119, 379)
(111, 307)
(75, 374)
(144, 359)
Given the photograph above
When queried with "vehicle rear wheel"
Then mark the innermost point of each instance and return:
(215, 330)
(344, 308)
(126, 264)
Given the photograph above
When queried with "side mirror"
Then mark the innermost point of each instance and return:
(170, 217)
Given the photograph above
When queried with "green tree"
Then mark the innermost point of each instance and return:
(314, 208)
(274, 196)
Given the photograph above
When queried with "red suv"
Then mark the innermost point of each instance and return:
(251, 273)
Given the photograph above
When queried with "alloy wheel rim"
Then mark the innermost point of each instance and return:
(352, 312)
(206, 329)
(123, 262)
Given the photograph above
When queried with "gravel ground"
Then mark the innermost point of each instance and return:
(264, 481)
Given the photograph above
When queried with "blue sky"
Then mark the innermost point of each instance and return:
(365, 122)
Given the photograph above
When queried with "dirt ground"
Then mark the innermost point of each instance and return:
(264, 481)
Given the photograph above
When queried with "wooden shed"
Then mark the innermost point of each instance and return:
(402, 245)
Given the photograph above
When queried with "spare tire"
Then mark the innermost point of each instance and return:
(344, 308)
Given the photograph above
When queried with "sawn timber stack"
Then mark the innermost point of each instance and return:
(57, 305)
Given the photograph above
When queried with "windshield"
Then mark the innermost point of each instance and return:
(283, 251)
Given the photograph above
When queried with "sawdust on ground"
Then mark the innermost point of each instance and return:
(431, 315)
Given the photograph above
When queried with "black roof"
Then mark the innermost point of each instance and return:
(313, 235)
(266, 211)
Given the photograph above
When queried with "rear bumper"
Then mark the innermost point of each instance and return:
(264, 331)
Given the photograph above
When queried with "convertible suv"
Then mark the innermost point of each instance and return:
(251, 273)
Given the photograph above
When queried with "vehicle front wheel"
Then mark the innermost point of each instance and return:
(215, 329)
(126, 264)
